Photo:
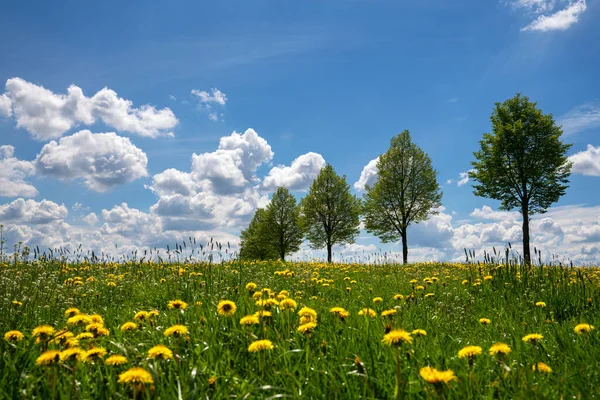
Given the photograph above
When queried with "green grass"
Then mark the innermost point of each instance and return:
(340, 359)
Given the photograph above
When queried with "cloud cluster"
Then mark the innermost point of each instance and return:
(211, 102)
(550, 18)
(586, 162)
(368, 176)
(47, 115)
(13, 173)
(298, 176)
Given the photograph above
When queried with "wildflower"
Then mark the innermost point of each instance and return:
(288, 304)
(249, 320)
(583, 328)
(340, 312)
(61, 337)
(177, 305)
(84, 336)
(389, 313)
(93, 354)
(129, 326)
(177, 331)
(419, 332)
(43, 332)
(154, 313)
(72, 354)
(488, 278)
(71, 312)
(469, 351)
(96, 318)
(465, 282)
(541, 367)
(48, 358)
(499, 349)
(485, 321)
(226, 308)
(433, 376)
(142, 315)
(368, 312)
(307, 327)
(420, 287)
(212, 381)
(251, 286)
(13, 336)
(540, 304)
(257, 295)
(93, 327)
(429, 295)
(17, 303)
(266, 303)
(160, 352)
(397, 337)
(377, 300)
(263, 314)
(308, 312)
(260, 345)
(102, 331)
(532, 338)
(398, 297)
(137, 377)
(79, 319)
(115, 360)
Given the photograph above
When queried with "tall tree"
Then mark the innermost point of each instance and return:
(523, 162)
(330, 213)
(254, 239)
(406, 192)
(283, 223)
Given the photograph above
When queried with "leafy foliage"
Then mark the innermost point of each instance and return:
(254, 239)
(330, 213)
(406, 192)
(282, 230)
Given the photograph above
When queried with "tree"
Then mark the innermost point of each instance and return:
(283, 232)
(406, 192)
(523, 162)
(254, 239)
(330, 214)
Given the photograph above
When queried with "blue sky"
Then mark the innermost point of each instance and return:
(329, 81)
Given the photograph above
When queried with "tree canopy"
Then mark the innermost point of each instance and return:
(254, 239)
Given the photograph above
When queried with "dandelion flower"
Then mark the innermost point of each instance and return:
(307, 312)
(499, 349)
(72, 354)
(251, 286)
(532, 338)
(433, 376)
(368, 312)
(485, 321)
(84, 336)
(249, 320)
(97, 318)
(71, 312)
(177, 305)
(389, 313)
(13, 336)
(160, 352)
(397, 337)
(377, 300)
(43, 332)
(260, 345)
(583, 328)
(142, 315)
(177, 331)
(48, 358)
(115, 360)
(154, 313)
(419, 332)
(340, 312)
(307, 328)
(288, 304)
(79, 319)
(129, 326)
(226, 308)
(94, 353)
(540, 304)
(469, 351)
(137, 377)
(541, 367)
(398, 297)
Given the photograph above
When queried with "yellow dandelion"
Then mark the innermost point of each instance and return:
(308, 312)
(136, 377)
(435, 377)
(377, 300)
(251, 286)
(580, 329)
(129, 326)
(419, 332)
(288, 304)
(48, 358)
(541, 367)
(72, 354)
(485, 321)
(532, 338)
(142, 315)
(17, 303)
(398, 297)
(340, 312)
(469, 351)
(97, 319)
(155, 313)
(420, 287)
(499, 349)
(307, 328)
(389, 313)
(260, 345)
(263, 314)
(115, 360)
(84, 336)
(79, 319)
(397, 337)
(13, 336)
(226, 308)
(43, 332)
(160, 352)
(93, 327)
(93, 354)
(177, 331)
(429, 295)
(368, 312)
(488, 278)
(540, 304)
(249, 320)
(177, 305)
(71, 312)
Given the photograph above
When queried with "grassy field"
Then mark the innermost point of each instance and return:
(300, 348)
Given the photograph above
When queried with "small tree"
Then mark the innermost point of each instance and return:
(406, 192)
(283, 232)
(523, 162)
(254, 239)
(330, 213)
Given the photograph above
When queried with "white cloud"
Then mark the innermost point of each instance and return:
(487, 213)
(586, 162)
(5, 106)
(90, 219)
(560, 20)
(13, 173)
(581, 118)
(32, 212)
(368, 176)
(536, 6)
(101, 160)
(47, 115)
(210, 101)
(463, 178)
(298, 176)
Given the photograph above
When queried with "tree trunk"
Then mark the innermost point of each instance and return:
(282, 255)
(329, 253)
(404, 247)
(526, 251)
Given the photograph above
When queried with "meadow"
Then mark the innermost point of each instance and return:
(290, 330)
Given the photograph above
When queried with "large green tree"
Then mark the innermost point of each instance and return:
(523, 162)
(283, 232)
(406, 192)
(330, 213)
(254, 239)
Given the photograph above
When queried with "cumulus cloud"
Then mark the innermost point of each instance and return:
(91, 219)
(13, 173)
(102, 160)
(47, 115)
(211, 102)
(5, 106)
(32, 212)
(586, 162)
(368, 176)
(298, 176)
(581, 118)
(559, 20)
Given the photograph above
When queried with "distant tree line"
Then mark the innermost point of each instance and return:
(522, 163)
